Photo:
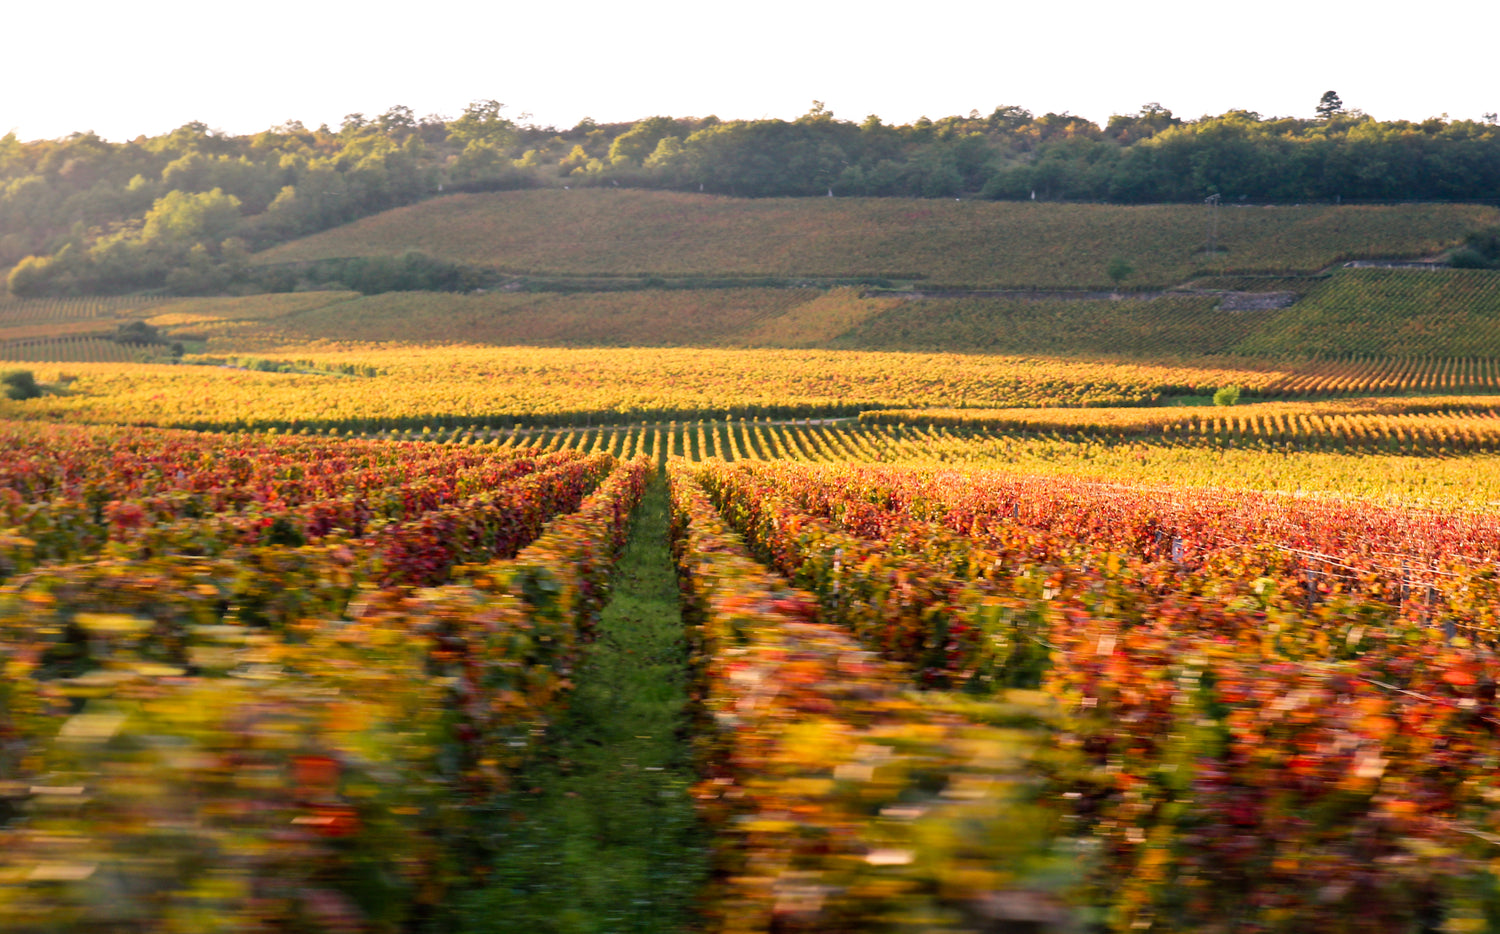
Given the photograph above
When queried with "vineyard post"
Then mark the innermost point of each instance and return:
(1213, 223)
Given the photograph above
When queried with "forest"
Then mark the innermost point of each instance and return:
(183, 211)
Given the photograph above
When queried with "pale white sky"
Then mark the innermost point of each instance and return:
(123, 69)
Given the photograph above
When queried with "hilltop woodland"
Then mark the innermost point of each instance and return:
(184, 211)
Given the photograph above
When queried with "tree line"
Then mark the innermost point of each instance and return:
(182, 211)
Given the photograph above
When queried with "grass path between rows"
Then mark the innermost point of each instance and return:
(600, 834)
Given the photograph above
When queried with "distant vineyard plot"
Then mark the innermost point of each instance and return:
(1160, 326)
(70, 350)
(367, 387)
(841, 318)
(79, 329)
(18, 311)
(39, 323)
(500, 386)
(635, 233)
(1390, 312)
(1365, 312)
(673, 318)
(1445, 461)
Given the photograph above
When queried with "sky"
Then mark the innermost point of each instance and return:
(126, 69)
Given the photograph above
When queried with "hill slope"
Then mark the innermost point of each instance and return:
(1390, 312)
(965, 243)
(1372, 313)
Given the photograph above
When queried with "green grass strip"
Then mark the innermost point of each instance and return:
(601, 834)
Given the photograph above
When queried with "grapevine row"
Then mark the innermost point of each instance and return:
(1243, 747)
(71, 349)
(1389, 374)
(1438, 562)
(283, 716)
(1457, 425)
(91, 307)
(840, 802)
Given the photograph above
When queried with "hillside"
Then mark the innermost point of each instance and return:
(957, 243)
(1382, 312)
(1370, 313)
(665, 261)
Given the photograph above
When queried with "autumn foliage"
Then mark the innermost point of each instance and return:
(263, 680)
(1274, 723)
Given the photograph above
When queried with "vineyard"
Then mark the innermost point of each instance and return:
(81, 349)
(736, 598)
(73, 330)
(1386, 314)
(1370, 330)
(1276, 718)
(241, 667)
(1390, 312)
(16, 311)
(954, 243)
(1388, 374)
(1158, 327)
(499, 387)
(1436, 424)
(926, 698)
(1373, 314)
(1409, 469)
(702, 318)
(86, 329)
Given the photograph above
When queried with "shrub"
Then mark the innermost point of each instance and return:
(1228, 395)
(1468, 258)
(20, 384)
(136, 332)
